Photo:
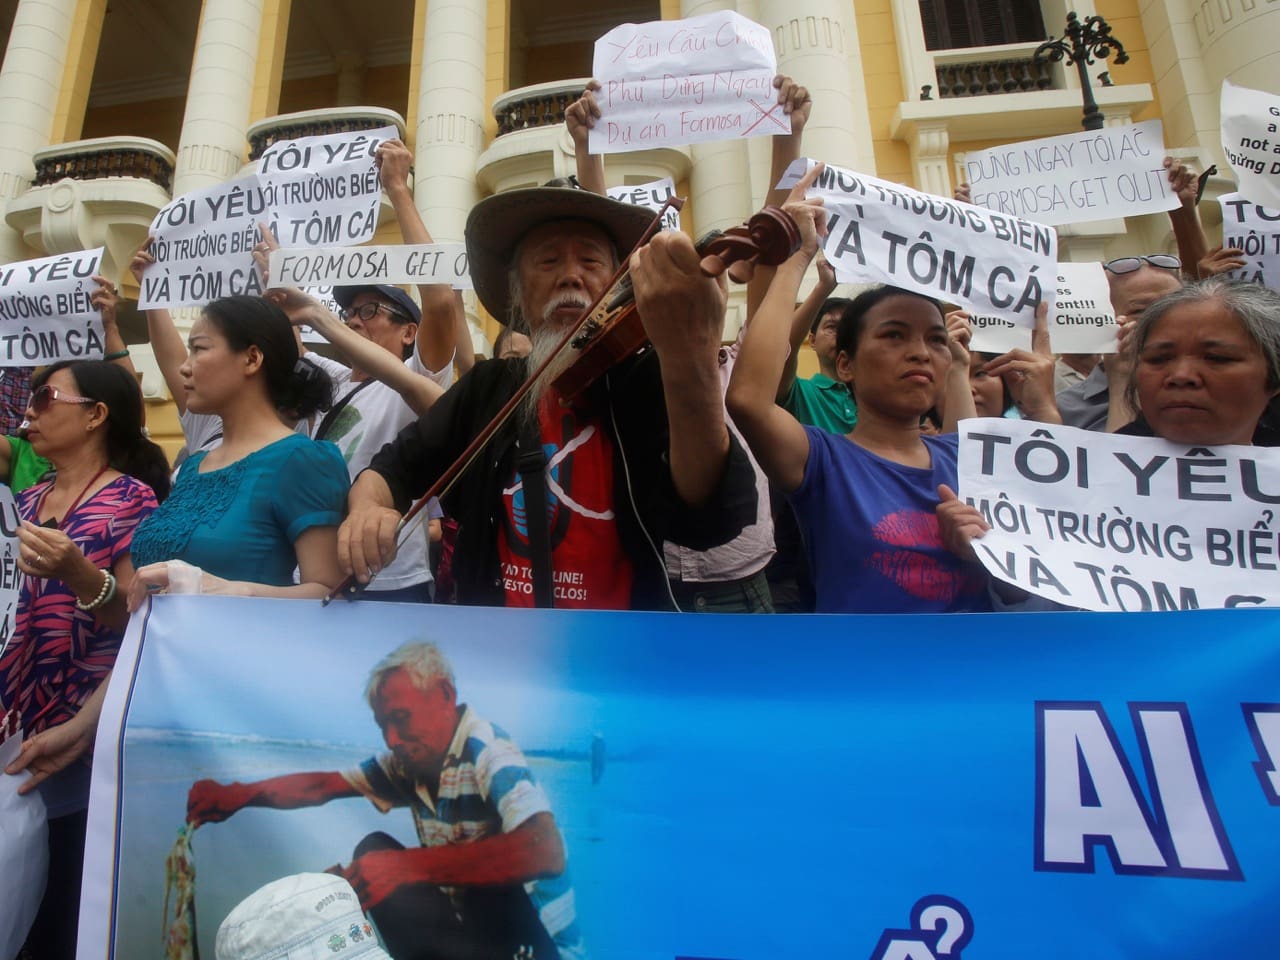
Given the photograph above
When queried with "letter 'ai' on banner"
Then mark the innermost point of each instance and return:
(1251, 141)
(651, 196)
(996, 266)
(315, 191)
(673, 82)
(47, 312)
(1105, 522)
(425, 263)
(1077, 177)
(1255, 231)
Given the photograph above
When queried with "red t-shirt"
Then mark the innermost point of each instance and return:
(589, 568)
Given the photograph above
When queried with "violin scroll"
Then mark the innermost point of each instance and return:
(768, 238)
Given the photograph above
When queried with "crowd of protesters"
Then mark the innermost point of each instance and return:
(694, 475)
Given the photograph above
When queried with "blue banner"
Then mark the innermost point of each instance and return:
(735, 787)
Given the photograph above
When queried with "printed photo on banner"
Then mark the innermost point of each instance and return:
(651, 196)
(1254, 230)
(425, 263)
(1075, 178)
(47, 312)
(1099, 521)
(1251, 141)
(673, 82)
(315, 191)
(245, 742)
(996, 266)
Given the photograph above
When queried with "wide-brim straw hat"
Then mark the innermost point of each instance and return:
(498, 223)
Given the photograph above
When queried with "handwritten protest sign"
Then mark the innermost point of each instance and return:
(1106, 522)
(443, 263)
(673, 82)
(46, 313)
(312, 191)
(651, 196)
(1092, 175)
(990, 263)
(1255, 230)
(1081, 319)
(1251, 141)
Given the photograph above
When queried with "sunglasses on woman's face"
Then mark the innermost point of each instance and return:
(1130, 264)
(47, 394)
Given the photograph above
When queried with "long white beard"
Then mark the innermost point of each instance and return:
(544, 341)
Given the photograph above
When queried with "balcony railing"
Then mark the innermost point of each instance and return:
(135, 157)
(542, 105)
(993, 76)
(315, 123)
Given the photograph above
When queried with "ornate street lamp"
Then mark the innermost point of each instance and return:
(1080, 45)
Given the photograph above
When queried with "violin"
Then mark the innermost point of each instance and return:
(609, 331)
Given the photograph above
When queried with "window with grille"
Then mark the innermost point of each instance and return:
(949, 24)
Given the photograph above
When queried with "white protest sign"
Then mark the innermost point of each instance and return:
(46, 310)
(1077, 177)
(312, 191)
(1081, 319)
(673, 82)
(993, 265)
(1255, 230)
(1251, 141)
(1107, 522)
(651, 196)
(442, 263)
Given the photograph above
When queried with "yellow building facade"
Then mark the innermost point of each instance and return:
(107, 111)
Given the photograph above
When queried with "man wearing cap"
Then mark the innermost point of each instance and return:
(489, 879)
(640, 457)
(402, 361)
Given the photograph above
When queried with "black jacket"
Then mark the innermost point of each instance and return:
(630, 401)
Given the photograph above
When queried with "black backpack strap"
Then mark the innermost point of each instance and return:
(532, 466)
(327, 423)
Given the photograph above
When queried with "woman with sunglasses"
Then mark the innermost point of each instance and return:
(268, 499)
(86, 418)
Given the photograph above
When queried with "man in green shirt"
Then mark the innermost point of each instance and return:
(822, 400)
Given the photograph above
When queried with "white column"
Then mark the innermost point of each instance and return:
(930, 146)
(212, 147)
(30, 81)
(817, 45)
(451, 113)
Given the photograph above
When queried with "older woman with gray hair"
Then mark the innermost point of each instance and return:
(1207, 365)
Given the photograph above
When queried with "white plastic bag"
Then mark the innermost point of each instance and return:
(24, 852)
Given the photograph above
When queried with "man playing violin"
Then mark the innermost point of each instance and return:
(641, 456)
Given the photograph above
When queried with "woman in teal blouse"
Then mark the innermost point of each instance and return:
(268, 499)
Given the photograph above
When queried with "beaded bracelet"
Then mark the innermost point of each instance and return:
(104, 596)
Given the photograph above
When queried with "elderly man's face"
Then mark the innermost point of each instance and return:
(417, 725)
(1131, 293)
(563, 267)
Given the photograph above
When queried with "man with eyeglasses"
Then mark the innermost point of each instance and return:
(401, 361)
(1098, 402)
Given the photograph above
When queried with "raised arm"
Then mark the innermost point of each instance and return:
(532, 850)
(777, 439)
(418, 392)
(802, 323)
(1187, 229)
(579, 117)
(213, 802)
(957, 403)
(797, 104)
(166, 342)
(441, 304)
(1030, 375)
(106, 298)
